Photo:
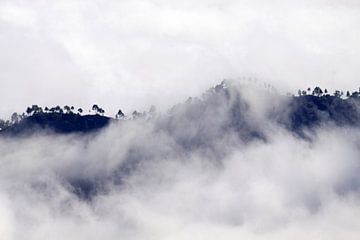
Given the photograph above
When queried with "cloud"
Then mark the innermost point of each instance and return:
(131, 54)
(150, 185)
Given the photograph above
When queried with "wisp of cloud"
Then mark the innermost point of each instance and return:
(192, 173)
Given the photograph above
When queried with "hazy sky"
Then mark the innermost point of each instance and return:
(132, 54)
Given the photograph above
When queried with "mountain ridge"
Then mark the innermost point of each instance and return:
(300, 112)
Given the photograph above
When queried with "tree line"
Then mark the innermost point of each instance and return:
(95, 109)
(317, 91)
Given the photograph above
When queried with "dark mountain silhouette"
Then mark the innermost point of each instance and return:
(198, 124)
(62, 123)
(222, 109)
(309, 112)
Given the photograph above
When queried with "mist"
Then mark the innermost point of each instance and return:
(222, 164)
(178, 176)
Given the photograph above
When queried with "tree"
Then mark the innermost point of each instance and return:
(317, 91)
(67, 109)
(152, 111)
(304, 93)
(34, 109)
(136, 114)
(119, 115)
(299, 92)
(58, 109)
(337, 93)
(347, 94)
(95, 108)
(80, 110)
(37, 109)
(29, 110)
(325, 91)
(15, 117)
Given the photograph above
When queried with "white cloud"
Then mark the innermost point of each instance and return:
(281, 188)
(131, 54)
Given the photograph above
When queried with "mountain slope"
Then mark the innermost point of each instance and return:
(224, 108)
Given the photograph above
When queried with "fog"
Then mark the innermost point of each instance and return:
(180, 175)
(152, 185)
(132, 54)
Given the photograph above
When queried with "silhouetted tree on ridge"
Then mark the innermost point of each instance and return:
(67, 109)
(310, 108)
(120, 115)
(15, 117)
(317, 91)
(97, 109)
(338, 93)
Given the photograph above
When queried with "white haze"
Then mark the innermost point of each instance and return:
(282, 188)
(131, 54)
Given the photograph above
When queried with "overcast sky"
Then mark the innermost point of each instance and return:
(132, 54)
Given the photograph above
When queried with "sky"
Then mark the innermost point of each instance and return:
(138, 53)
